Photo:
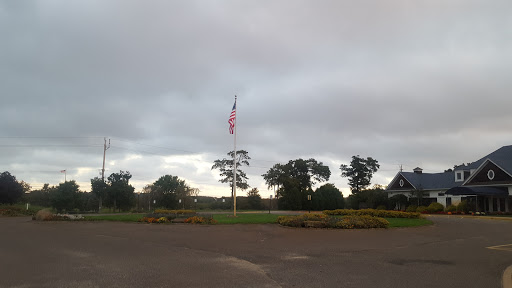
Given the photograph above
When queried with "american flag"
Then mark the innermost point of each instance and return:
(62, 171)
(232, 119)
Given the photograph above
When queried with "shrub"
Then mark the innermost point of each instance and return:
(361, 222)
(463, 206)
(14, 211)
(299, 220)
(381, 207)
(421, 209)
(324, 221)
(435, 207)
(149, 219)
(43, 215)
(372, 212)
(411, 208)
(178, 212)
(200, 220)
(451, 208)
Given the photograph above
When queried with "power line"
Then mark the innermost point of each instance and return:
(50, 145)
(50, 137)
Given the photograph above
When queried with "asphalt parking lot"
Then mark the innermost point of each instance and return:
(454, 252)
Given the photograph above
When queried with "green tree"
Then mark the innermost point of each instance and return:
(398, 201)
(295, 180)
(41, 197)
(120, 193)
(273, 176)
(99, 189)
(254, 199)
(168, 189)
(360, 172)
(10, 189)
(225, 167)
(65, 197)
(328, 197)
(369, 198)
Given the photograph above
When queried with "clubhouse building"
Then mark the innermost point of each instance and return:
(486, 184)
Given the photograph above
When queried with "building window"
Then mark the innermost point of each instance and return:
(458, 176)
(401, 182)
(490, 174)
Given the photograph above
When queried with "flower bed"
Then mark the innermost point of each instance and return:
(200, 220)
(178, 212)
(372, 212)
(326, 221)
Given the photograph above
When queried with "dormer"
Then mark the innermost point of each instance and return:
(459, 175)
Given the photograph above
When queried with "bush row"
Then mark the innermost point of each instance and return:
(435, 207)
(178, 212)
(325, 221)
(191, 220)
(373, 212)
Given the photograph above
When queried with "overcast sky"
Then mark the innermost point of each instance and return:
(417, 83)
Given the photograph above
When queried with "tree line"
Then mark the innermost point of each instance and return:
(292, 182)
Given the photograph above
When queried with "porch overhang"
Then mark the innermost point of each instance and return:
(478, 191)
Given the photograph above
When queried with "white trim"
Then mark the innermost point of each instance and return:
(480, 168)
(489, 172)
(461, 173)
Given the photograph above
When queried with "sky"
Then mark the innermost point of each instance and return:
(412, 83)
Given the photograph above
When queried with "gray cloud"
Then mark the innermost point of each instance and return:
(419, 84)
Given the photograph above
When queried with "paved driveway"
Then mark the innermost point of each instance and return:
(451, 253)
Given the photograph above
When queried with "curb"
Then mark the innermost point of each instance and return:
(472, 217)
(507, 277)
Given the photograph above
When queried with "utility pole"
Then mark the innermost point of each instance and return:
(105, 148)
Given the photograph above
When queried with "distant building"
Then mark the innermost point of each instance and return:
(486, 184)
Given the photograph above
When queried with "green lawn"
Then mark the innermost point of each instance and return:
(407, 222)
(123, 218)
(246, 218)
(253, 218)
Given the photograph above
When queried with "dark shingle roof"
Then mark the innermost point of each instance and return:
(431, 181)
(428, 181)
(502, 157)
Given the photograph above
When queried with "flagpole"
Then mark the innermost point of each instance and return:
(234, 170)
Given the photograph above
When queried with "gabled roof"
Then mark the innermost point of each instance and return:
(431, 181)
(501, 157)
(428, 181)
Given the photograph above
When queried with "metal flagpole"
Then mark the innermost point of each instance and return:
(234, 169)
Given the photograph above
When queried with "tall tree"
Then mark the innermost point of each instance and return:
(254, 199)
(65, 197)
(328, 197)
(10, 189)
(360, 172)
(296, 179)
(168, 189)
(120, 193)
(41, 197)
(99, 189)
(273, 176)
(225, 167)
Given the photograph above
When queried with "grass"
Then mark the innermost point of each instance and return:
(122, 218)
(21, 209)
(246, 218)
(254, 218)
(407, 222)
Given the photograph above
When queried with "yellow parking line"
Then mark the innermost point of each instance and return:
(506, 247)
